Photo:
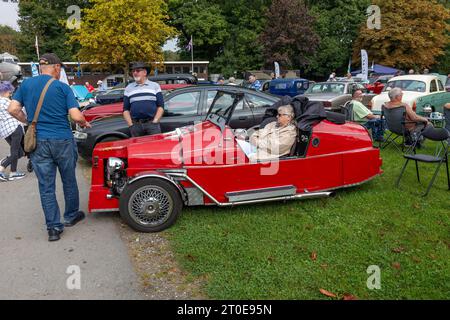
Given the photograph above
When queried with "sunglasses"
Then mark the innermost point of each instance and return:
(283, 114)
(138, 70)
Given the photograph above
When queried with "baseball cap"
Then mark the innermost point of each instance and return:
(50, 58)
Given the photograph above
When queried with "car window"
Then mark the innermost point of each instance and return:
(433, 86)
(212, 95)
(182, 104)
(117, 92)
(406, 85)
(257, 101)
(327, 88)
(441, 86)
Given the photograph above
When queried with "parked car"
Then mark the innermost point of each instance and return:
(116, 95)
(447, 85)
(150, 179)
(334, 94)
(424, 93)
(288, 87)
(182, 107)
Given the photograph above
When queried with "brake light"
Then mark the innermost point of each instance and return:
(327, 104)
(414, 107)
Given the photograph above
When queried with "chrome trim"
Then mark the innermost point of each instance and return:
(228, 204)
(104, 210)
(255, 194)
(180, 189)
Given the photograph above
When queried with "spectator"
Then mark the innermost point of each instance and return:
(232, 81)
(276, 138)
(426, 71)
(273, 76)
(395, 96)
(143, 103)
(366, 117)
(349, 77)
(12, 131)
(89, 87)
(55, 148)
(332, 77)
(100, 86)
(411, 71)
(221, 80)
(254, 84)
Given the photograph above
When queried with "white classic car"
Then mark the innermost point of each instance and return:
(424, 93)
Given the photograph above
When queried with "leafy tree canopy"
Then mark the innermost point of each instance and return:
(8, 40)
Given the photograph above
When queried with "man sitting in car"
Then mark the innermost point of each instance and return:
(364, 116)
(276, 138)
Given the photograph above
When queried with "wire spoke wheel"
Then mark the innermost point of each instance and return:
(150, 205)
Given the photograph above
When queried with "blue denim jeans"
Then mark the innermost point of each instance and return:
(377, 126)
(48, 156)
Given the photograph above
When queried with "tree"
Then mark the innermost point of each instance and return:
(337, 24)
(288, 37)
(45, 19)
(120, 31)
(8, 40)
(413, 34)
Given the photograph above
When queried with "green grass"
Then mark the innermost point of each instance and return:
(264, 251)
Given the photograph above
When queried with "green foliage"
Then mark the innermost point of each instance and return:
(8, 39)
(265, 251)
(337, 24)
(44, 19)
(120, 31)
(414, 33)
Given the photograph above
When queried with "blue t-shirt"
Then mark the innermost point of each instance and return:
(53, 122)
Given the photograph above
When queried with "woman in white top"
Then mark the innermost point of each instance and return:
(12, 131)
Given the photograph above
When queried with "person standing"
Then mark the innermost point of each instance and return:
(143, 103)
(89, 87)
(12, 131)
(254, 84)
(55, 147)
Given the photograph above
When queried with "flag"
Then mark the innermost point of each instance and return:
(63, 77)
(349, 69)
(34, 69)
(277, 70)
(36, 45)
(190, 45)
(364, 65)
(79, 70)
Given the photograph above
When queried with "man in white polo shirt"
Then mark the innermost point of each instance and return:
(143, 103)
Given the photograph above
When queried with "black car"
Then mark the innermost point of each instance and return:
(111, 96)
(183, 107)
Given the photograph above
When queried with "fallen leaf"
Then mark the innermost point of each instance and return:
(398, 250)
(396, 265)
(190, 257)
(348, 296)
(18, 238)
(327, 293)
(314, 256)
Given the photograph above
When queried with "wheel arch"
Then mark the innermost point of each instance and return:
(111, 135)
(158, 175)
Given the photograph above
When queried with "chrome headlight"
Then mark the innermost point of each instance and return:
(80, 135)
(114, 165)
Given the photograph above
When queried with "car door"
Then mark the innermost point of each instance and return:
(181, 109)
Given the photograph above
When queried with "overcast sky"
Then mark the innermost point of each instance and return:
(8, 14)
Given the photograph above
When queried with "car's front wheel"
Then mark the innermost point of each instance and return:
(150, 205)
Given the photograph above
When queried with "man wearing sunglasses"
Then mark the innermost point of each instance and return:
(143, 103)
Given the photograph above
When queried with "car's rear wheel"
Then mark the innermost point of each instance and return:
(150, 205)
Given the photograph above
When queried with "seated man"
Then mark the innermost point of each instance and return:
(364, 116)
(275, 139)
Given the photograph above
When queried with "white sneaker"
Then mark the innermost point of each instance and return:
(16, 176)
(3, 177)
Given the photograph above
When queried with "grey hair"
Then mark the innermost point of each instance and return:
(287, 109)
(394, 93)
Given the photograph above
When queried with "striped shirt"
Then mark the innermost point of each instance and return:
(8, 124)
(142, 101)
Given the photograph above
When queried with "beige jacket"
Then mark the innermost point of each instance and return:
(273, 142)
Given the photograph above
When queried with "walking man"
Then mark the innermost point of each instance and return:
(55, 147)
(143, 103)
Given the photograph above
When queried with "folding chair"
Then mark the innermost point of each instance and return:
(347, 110)
(399, 136)
(447, 119)
(440, 156)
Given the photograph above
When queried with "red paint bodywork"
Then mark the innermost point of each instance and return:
(344, 157)
(113, 109)
(376, 87)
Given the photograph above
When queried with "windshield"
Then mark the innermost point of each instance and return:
(406, 85)
(223, 106)
(325, 87)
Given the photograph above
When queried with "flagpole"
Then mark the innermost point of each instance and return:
(192, 55)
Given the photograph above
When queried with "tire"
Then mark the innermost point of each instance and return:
(161, 199)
